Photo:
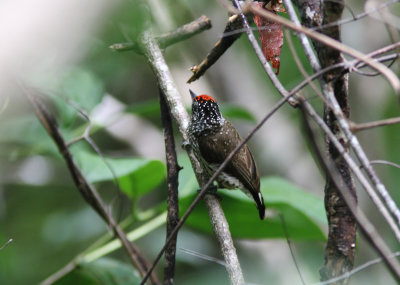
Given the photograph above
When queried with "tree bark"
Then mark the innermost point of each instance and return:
(340, 248)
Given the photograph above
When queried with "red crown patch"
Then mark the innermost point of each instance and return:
(203, 98)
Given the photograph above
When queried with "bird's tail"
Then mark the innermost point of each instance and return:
(258, 198)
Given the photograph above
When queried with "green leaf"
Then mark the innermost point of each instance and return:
(236, 112)
(103, 271)
(136, 176)
(300, 210)
(77, 85)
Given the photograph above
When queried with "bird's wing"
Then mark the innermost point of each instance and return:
(216, 147)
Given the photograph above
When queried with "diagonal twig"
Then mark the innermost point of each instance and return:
(364, 126)
(365, 225)
(233, 24)
(86, 189)
(182, 33)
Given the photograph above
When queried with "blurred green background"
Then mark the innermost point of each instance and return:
(62, 50)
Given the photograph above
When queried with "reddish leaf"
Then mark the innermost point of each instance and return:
(271, 34)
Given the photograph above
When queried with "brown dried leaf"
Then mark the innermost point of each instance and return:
(271, 34)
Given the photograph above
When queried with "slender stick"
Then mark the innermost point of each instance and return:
(356, 270)
(365, 126)
(86, 189)
(182, 33)
(172, 196)
(222, 45)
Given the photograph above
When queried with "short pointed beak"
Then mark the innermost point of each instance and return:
(192, 94)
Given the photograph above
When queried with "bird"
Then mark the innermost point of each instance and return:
(212, 138)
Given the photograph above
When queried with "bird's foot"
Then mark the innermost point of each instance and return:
(212, 190)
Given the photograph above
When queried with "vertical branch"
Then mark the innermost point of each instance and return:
(160, 68)
(221, 230)
(340, 249)
(172, 198)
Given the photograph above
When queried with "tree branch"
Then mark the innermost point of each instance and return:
(178, 111)
(172, 198)
(365, 126)
(340, 248)
(234, 23)
(182, 33)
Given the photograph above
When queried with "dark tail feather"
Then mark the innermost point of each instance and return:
(258, 198)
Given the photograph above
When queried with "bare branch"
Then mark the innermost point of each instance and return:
(290, 245)
(221, 230)
(203, 256)
(365, 126)
(172, 197)
(182, 33)
(385, 162)
(357, 17)
(356, 270)
(6, 244)
(86, 189)
(233, 24)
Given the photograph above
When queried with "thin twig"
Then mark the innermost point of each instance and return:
(6, 244)
(301, 67)
(86, 189)
(182, 33)
(356, 17)
(365, 126)
(203, 256)
(234, 23)
(172, 196)
(356, 270)
(379, 161)
(290, 245)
